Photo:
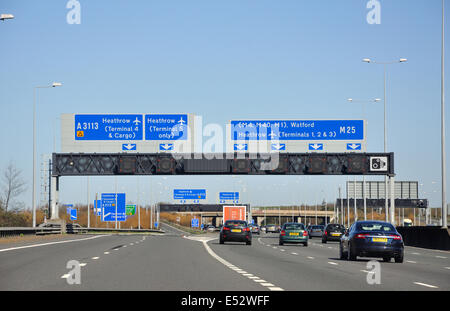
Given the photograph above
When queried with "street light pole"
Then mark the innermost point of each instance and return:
(33, 203)
(401, 60)
(444, 179)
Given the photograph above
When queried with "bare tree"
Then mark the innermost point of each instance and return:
(12, 185)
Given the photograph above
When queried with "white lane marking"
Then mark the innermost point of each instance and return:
(410, 261)
(274, 247)
(332, 263)
(95, 258)
(248, 274)
(50, 243)
(441, 257)
(276, 288)
(223, 261)
(260, 281)
(426, 285)
(294, 253)
(415, 253)
(82, 264)
(242, 272)
(267, 284)
(365, 271)
(65, 276)
(447, 268)
(309, 257)
(106, 253)
(282, 250)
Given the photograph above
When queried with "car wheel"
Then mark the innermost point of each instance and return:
(221, 241)
(386, 259)
(305, 244)
(280, 243)
(248, 242)
(399, 259)
(324, 241)
(341, 252)
(350, 255)
(310, 237)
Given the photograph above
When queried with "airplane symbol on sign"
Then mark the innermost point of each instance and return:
(137, 121)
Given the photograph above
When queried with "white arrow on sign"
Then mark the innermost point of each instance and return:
(354, 146)
(129, 146)
(166, 146)
(241, 146)
(316, 146)
(278, 146)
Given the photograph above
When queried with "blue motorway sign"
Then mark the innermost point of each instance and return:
(98, 207)
(194, 223)
(278, 147)
(224, 196)
(129, 147)
(108, 127)
(189, 194)
(68, 208)
(166, 127)
(109, 207)
(73, 214)
(327, 130)
(165, 147)
(240, 147)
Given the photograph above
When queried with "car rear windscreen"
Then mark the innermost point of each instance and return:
(294, 227)
(235, 223)
(335, 227)
(375, 227)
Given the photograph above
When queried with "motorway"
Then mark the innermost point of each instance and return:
(177, 261)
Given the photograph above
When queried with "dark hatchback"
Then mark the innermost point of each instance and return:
(372, 239)
(235, 231)
(333, 232)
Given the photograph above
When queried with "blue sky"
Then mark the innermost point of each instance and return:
(223, 60)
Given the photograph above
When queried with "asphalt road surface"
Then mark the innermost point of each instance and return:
(177, 261)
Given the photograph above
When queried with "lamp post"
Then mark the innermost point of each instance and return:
(4, 17)
(385, 64)
(443, 163)
(33, 203)
(376, 100)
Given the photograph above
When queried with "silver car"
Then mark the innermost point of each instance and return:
(316, 230)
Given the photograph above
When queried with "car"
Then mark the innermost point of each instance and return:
(333, 232)
(372, 239)
(262, 229)
(235, 231)
(255, 229)
(316, 230)
(210, 228)
(272, 228)
(293, 232)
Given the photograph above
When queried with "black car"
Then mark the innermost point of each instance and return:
(333, 232)
(372, 239)
(236, 231)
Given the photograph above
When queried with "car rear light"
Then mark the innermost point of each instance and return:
(283, 232)
(305, 233)
(396, 237)
(361, 236)
(326, 232)
(226, 228)
(246, 229)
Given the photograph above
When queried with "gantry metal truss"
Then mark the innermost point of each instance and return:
(98, 164)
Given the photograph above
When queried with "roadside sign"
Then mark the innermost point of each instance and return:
(73, 214)
(130, 210)
(234, 213)
(166, 127)
(228, 196)
(297, 136)
(108, 127)
(109, 207)
(194, 223)
(189, 194)
(98, 207)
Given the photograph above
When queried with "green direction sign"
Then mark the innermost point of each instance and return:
(130, 210)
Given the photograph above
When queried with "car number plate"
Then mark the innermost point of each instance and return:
(379, 240)
(235, 230)
(293, 233)
(336, 234)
